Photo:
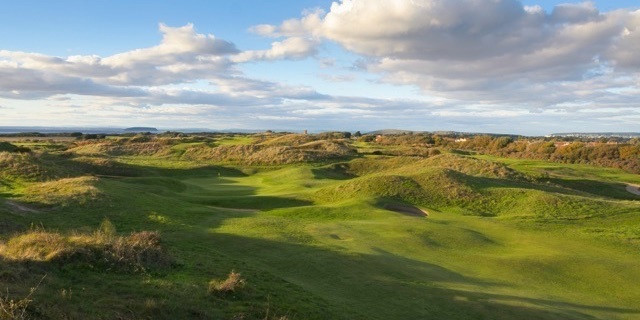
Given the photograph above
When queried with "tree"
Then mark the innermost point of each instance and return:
(357, 134)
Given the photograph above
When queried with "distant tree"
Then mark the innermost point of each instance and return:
(367, 138)
(347, 134)
(357, 134)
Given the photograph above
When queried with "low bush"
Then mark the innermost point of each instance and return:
(232, 283)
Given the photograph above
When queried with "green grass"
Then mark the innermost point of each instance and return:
(505, 239)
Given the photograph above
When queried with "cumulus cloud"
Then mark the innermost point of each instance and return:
(494, 60)
(289, 48)
(182, 56)
(490, 50)
(624, 52)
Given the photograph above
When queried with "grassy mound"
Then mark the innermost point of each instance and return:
(139, 251)
(370, 165)
(8, 147)
(442, 188)
(472, 166)
(63, 192)
(520, 202)
(411, 165)
(435, 187)
(25, 166)
(270, 155)
(287, 140)
(125, 147)
(103, 166)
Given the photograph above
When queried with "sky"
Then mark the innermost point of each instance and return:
(501, 66)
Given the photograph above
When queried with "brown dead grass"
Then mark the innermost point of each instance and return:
(232, 283)
(136, 252)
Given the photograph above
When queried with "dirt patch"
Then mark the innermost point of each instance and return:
(19, 208)
(635, 189)
(407, 209)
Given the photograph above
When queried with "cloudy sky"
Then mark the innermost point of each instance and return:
(505, 66)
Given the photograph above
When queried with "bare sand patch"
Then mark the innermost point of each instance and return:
(635, 189)
(407, 209)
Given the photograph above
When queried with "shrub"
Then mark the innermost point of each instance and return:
(232, 283)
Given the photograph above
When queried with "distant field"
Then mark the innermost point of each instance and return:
(503, 239)
(36, 139)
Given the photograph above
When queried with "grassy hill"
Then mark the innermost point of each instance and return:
(298, 227)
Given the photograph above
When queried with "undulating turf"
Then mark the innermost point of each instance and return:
(504, 238)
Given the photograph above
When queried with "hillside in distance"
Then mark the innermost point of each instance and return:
(318, 226)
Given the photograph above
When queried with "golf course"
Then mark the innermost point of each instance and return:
(137, 228)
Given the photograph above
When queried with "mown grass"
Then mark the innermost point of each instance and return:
(313, 240)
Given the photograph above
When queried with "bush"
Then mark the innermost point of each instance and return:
(232, 283)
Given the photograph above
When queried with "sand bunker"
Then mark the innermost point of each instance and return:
(633, 189)
(407, 209)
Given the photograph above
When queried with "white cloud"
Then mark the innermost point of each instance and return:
(624, 52)
(491, 51)
(182, 55)
(494, 60)
(289, 48)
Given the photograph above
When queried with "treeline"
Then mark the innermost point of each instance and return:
(617, 153)
(623, 155)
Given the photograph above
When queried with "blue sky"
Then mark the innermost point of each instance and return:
(488, 66)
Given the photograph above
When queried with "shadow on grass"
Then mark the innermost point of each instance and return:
(561, 186)
(388, 286)
(247, 201)
(303, 281)
(599, 188)
(336, 171)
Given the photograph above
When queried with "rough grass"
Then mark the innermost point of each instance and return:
(103, 249)
(16, 308)
(270, 155)
(125, 147)
(233, 283)
(24, 166)
(8, 147)
(62, 192)
(292, 139)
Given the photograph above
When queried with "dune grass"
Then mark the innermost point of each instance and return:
(503, 240)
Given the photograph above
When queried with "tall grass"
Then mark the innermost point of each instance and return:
(136, 252)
